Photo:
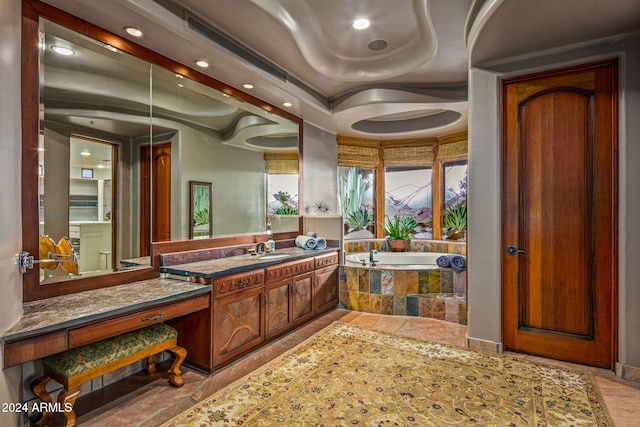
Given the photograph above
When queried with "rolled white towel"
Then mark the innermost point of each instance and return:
(306, 242)
(321, 243)
(312, 234)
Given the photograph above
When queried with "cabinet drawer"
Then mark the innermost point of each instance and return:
(111, 328)
(237, 282)
(290, 269)
(325, 260)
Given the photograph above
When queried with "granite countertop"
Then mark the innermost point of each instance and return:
(135, 262)
(214, 268)
(65, 311)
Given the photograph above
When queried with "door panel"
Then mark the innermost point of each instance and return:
(559, 203)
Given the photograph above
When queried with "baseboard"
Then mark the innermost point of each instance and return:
(627, 372)
(484, 345)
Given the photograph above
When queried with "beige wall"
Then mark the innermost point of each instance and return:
(10, 155)
(484, 245)
(320, 169)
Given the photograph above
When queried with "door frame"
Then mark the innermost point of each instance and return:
(506, 210)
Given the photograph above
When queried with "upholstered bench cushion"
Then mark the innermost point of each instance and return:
(91, 356)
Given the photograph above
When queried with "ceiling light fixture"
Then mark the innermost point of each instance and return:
(287, 104)
(85, 152)
(61, 50)
(133, 31)
(202, 63)
(111, 48)
(247, 85)
(361, 24)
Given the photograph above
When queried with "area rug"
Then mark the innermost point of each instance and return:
(346, 375)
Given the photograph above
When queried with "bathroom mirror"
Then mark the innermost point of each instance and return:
(112, 140)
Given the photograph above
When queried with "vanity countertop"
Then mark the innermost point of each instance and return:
(66, 311)
(211, 269)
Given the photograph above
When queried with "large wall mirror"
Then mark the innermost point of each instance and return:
(114, 142)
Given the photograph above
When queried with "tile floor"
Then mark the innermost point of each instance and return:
(147, 401)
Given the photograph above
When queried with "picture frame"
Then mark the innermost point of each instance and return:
(200, 209)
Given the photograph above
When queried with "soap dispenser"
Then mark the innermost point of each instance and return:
(271, 244)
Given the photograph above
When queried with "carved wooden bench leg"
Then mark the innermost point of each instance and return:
(151, 365)
(67, 399)
(38, 387)
(175, 377)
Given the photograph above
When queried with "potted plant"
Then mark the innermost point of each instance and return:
(358, 220)
(398, 231)
(454, 221)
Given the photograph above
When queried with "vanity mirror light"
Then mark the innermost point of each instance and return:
(113, 134)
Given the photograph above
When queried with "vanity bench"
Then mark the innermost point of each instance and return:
(74, 367)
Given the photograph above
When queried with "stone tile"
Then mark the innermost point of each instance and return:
(389, 323)
(434, 281)
(412, 282)
(451, 310)
(353, 301)
(399, 282)
(446, 281)
(387, 304)
(423, 281)
(425, 307)
(375, 303)
(365, 320)
(400, 305)
(352, 279)
(460, 283)
(344, 298)
(413, 305)
(387, 282)
(463, 314)
(363, 303)
(438, 309)
(375, 282)
(363, 280)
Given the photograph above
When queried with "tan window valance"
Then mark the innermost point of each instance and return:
(354, 156)
(421, 156)
(281, 163)
(453, 151)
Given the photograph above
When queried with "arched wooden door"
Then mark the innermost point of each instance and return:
(559, 214)
(155, 192)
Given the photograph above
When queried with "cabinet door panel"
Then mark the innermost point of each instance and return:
(326, 289)
(238, 324)
(279, 308)
(302, 298)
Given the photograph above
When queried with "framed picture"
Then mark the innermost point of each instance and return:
(200, 207)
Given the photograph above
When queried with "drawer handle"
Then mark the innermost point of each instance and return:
(151, 319)
(242, 283)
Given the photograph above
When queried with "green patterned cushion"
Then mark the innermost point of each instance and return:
(74, 362)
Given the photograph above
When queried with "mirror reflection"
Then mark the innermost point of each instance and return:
(120, 142)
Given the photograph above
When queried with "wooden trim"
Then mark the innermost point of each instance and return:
(437, 182)
(34, 348)
(380, 196)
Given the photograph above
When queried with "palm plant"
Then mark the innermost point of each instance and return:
(399, 228)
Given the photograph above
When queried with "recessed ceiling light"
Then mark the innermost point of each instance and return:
(133, 31)
(61, 50)
(247, 86)
(180, 76)
(85, 152)
(202, 63)
(361, 24)
(180, 85)
(111, 48)
(100, 166)
(287, 104)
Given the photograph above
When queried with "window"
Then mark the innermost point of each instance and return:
(408, 192)
(282, 194)
(454, 213)
(356, 196)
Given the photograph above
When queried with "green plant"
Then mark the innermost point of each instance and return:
(359, 220)
(352, 189)
(455, 218)
(399, 228)
(201, 217)
(285, 210)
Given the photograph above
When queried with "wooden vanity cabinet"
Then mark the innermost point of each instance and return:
(325, 287)
(279, 310)
(302, 300)
(238, 315)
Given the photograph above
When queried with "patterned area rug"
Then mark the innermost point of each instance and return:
(345, 376)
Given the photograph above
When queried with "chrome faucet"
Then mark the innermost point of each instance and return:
(372, 252)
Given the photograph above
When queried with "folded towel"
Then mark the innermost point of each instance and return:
(312, 234)
(443, 261)
(321, 243)
(458, 263)
(306, 242)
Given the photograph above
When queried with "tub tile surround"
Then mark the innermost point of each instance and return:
(437, 293)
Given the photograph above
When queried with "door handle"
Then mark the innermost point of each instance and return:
(512, 250)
